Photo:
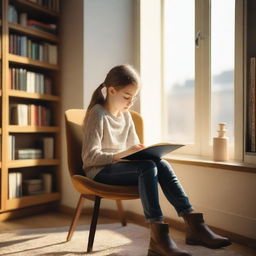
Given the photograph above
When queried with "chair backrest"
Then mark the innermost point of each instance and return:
(74, 134)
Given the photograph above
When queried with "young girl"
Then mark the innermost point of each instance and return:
(109, 134)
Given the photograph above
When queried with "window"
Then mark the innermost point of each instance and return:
(198, 71)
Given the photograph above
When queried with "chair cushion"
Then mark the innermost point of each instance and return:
(87, 186)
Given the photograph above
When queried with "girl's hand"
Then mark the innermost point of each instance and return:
(132, 149)
(135, 148)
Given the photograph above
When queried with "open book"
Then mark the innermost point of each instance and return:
(153, 152)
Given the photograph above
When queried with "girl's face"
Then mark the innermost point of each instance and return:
(123, 99)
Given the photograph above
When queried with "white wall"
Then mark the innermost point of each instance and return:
(72, 47)
(109, 39)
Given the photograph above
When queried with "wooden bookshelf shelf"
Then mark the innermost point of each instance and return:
(27, 61)
(27, 95)
(31, 200)
(33, 162)
(33, 32)
(28, 5)
(30, 129)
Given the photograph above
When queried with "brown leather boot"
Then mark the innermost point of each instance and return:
(198, 233)
(161, 244)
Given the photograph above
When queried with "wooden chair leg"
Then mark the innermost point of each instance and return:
(93, 223)
(121, 212)
(79, 208)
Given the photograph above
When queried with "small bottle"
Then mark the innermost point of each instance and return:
(220, 144)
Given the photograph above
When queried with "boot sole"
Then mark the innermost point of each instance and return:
(151, 253)
(194, 242)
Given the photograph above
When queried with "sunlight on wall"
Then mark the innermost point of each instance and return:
(150, 68)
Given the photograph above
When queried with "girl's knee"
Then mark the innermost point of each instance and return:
(148, 166)
(164, 163)
(164, 166)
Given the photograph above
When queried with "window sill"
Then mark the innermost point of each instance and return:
(206, 162)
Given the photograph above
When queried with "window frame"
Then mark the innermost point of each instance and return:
(203, 138)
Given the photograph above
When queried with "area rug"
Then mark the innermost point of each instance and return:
(110, 240)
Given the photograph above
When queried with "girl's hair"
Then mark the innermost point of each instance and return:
(118, 77)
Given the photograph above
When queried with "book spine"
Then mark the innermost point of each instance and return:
(48, 147)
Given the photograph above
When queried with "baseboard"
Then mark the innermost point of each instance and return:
(140, 220)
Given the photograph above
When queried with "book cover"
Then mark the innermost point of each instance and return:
(153, 152)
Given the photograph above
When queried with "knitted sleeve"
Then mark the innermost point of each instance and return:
(132, 138)
(92, 154)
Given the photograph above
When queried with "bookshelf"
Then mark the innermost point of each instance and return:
(30, 104)
(250, 109)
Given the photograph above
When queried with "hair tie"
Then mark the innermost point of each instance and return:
(104, 91)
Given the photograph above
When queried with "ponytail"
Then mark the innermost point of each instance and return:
(97, 98)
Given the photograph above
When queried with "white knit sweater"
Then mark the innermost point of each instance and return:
(104, 136)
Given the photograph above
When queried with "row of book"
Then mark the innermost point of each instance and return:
(53, 5)
(22, 79)
(22, 46)
(30, 114)
(251, 105)
(45, 151)
(22, 19)
(19, 187)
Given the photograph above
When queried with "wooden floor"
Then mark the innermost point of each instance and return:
(56, 219)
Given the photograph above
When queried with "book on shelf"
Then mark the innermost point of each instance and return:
(42, 51)
(11, 147)
(50, 28)
(251, 99)
(47, 182)
(53, 5)
(12, 14)
(32, 82)
(19, 114)
(153, 152)
(29, 153)
(33, 186)
(48, 147)
(29, 114)
(15, 184)
(23, 17)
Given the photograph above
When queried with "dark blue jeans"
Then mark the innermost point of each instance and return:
(146, 174)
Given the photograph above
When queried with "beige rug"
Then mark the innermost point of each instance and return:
(110, 240)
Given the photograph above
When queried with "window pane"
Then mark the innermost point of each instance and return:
(222, 64)
(179, 69)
